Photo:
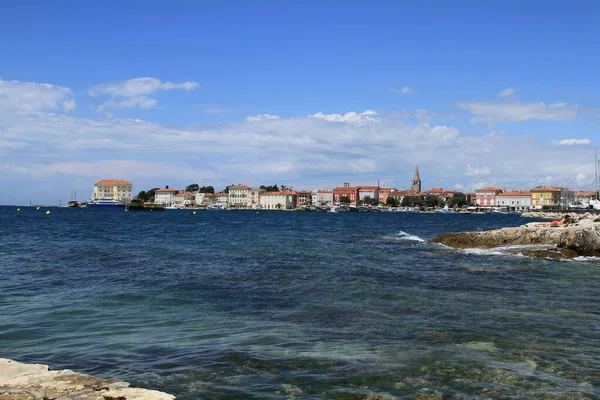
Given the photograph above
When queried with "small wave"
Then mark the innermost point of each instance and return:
(407, 236)
(585, 259)
(496, 251)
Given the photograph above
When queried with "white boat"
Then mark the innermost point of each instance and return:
(105, 202)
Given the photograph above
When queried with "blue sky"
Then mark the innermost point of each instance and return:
(305, 93)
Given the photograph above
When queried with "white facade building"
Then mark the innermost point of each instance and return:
(371, 192)
(284, 200)
(165, 196)
(185, 199)
(115, 189)
(200, 198)
(515, 201)
(324, 198)
(254, 198)
(239, 196)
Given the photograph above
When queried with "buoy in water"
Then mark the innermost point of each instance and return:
(194, 212)
(48, 212)
(37, 208)
(18, 209)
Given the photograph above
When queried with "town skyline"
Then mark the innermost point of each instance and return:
(272, 92)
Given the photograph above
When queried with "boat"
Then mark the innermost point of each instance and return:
(141, 205)
(73, 204)
(105, 202)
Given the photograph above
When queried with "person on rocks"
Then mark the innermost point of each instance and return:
(564, 222)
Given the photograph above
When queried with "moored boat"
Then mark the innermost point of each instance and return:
(105, 202)
(140, 205)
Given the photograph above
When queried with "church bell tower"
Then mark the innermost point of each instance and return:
(416, 183)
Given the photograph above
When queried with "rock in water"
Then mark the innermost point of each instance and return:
(579, 239)
(34, 381)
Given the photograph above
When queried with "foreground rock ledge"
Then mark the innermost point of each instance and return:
(579, 239)
(20, 381)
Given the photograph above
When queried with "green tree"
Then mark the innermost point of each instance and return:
(207, 189)
(193, 187)
(271, 188)
(433, 201)
(412, 201)
(166, 187)
(392, 202)
(142, 195)
(150, 194)
(458, 199)
(226, 190)
(345, 200)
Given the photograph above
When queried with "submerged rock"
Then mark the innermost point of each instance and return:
(578, 239)
(20, 381)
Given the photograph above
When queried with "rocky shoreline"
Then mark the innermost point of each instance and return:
(20, 381)
(536, 239)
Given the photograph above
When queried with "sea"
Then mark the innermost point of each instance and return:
(295, 305)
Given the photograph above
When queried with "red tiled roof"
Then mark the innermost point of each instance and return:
(546, 189)
(514, 193)
(112, 182)
(304, 192)
(489, 189)
(344, 189)
(166, 190)
(283, 192)
(368, 187)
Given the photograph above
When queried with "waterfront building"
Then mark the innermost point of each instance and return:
(384, 193)
(371, 192)
(416, 182)
(324, 198)
(486, 197)
(514, 200)
(546, 196)
(165, 196)
(445, 194)
(583, 198)
(208, 200)
(184, 199)
(348, 191)
(401, 194)
(254, 197)
(304, 197)
(115, 189)
(199, 198)
(284, 200)
(239, 196)
(221, 199)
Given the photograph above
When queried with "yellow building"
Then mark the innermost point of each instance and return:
(546, 196)
(119, 190)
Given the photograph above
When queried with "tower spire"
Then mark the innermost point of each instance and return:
(416, 182)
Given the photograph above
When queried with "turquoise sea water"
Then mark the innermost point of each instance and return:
(304, 305)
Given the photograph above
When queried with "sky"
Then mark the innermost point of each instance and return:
(310, 94)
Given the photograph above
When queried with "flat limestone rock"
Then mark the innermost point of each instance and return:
(578, 239)
(20, 381)
(136, 394)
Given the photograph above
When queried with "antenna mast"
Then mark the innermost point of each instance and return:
(597, 165)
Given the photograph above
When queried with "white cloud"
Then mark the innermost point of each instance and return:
(571, 142)
(473, 171)
(350, 117)
(403, 90)
(261, 117)
(322, 151)
(517, 112)
(141, 102)
(139, 87)
(508, 92)
(30, 97)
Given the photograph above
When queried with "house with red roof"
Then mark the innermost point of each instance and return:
(486, 197)
(514, 200)
(115, 189)
(351, 192)
(239, 196)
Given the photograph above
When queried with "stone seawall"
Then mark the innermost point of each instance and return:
(577, 215)
(20, 381)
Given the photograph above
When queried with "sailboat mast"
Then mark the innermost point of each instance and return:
(597, 167)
